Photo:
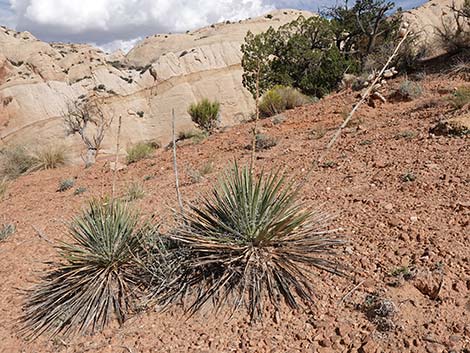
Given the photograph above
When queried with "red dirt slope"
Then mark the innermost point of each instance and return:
(418, 230)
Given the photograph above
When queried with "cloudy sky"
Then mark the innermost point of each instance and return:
(120, 23)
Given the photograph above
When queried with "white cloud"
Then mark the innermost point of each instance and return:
(113, 24)
(104, 21)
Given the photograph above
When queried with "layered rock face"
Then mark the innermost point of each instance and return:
(427, 20)
(163, 72)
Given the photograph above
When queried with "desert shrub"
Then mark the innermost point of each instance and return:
(250, 240)
(409, 90)
(80, 190)
(6, 230)
(15, 161)
(454, 33)
(140, 151)
(135, 191)
(280, 98)
(65, 185)
(300, 54)
(3, 187)
(264, 142)
(49, 157)
(205, 114)
(461, 97)
(193, 135)
(95, 278)
(196, 175)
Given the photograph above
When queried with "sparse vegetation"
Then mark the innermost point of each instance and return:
(408, 177)
(140, 151)
(263, 142)
(380, 311)
(247, 242)
(65, 185)
(3, 187)
(205, 114)
(406, 134)
(86, 118)
(201, 172)
(135, 191)
(454, 33)
(193, 135)
(461, 97)
(49, 157)
(6, 230)
(409, 90)
(95, 278)
(15, 161)
(279, 99)
(80, 190)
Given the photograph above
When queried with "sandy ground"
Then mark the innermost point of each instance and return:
(389, 223)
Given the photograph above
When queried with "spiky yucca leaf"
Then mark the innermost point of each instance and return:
(95, 278)
(250, 239)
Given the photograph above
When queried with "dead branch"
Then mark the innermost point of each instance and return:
(175, 163)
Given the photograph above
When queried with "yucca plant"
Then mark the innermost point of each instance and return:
(96, 277)
(248, 241)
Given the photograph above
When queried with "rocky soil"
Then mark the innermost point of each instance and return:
(401, 194)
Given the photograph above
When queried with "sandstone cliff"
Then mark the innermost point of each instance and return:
(164, 71)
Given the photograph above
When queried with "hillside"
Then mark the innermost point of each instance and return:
(400, 194)
(163, 72)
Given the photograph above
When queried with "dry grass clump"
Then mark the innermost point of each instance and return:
(461, 97)
(49, 157)
(248, 241)
(140, 151)
(3, 187)
(135, 191)
(409, 90)
(281, 98)
(15, 161)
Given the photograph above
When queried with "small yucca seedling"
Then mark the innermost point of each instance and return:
(65, 185)
(95, 278)
(6, 230)
(250, 240)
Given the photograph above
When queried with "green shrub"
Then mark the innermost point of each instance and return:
(205, 114)
(15, 161)
(65, 185)
(6, 230)
(461, 97)
(280, 98)
(301, 54)
(140, 151)
(95, 278)
(410, 90)
(49, 157)
(247, 242)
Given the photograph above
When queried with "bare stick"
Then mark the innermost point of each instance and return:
(364, 97)
(116, 159)
(351, 292)
(253, 141)
(42, 235)
(175, 163)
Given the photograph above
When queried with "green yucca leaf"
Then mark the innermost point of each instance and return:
(96, 277)
(250, 238)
